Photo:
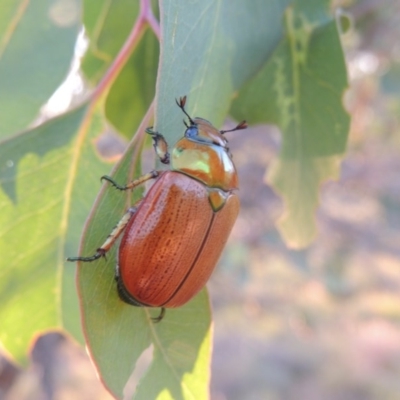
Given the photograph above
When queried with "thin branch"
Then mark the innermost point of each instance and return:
(145, 18)
(150, 18)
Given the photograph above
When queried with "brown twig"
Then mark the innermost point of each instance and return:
(144, 19)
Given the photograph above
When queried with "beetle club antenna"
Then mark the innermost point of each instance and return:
(242, 125)
(181, 104)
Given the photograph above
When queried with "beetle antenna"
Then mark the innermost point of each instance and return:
(181, 104)
(184, 123)
(242, 125)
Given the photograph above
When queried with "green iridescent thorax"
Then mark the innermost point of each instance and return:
(206, 162)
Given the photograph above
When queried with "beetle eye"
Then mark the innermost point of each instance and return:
(192, 131)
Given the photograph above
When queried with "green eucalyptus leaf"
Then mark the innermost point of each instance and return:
(134, 89)
(44, 201)
(209, 50)
(207, 57)
(300, 89)
(34, 56)
(107, 25)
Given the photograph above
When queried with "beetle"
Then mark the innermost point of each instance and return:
(174, 236)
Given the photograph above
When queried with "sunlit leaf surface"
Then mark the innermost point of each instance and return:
(43, 192)
(34, 57)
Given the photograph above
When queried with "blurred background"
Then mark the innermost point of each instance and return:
(320, 323)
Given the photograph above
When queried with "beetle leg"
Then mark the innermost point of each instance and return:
(160, 145)
(134, 183)
(111, 238)
(160, 316)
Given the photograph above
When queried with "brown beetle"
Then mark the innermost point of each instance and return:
(175, 235)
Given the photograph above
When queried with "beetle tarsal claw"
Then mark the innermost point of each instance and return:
(160, 316)
(115, 184)
(99, 253)
(150, 131)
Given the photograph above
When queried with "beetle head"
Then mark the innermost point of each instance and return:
(203, 131)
